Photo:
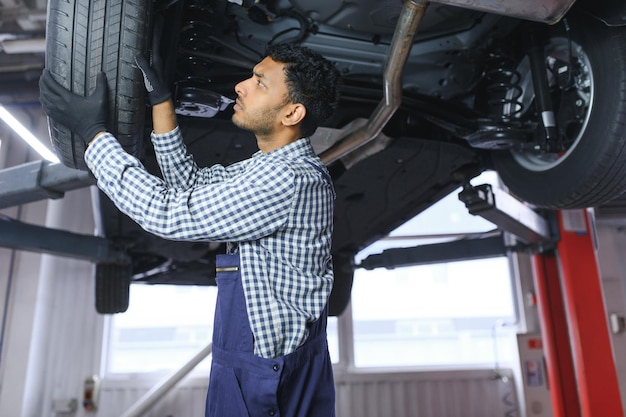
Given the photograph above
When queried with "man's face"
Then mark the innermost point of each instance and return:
(260, 98)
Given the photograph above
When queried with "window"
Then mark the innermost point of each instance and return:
(447, 315)
(453, 314)
(165, 326)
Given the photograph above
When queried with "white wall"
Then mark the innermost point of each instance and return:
(19, 281)
(53, 336)
(19, 278)
(476, 393)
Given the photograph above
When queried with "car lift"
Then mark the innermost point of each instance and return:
(581, 372)
(40, 180)
(578, 353)
(577, 343)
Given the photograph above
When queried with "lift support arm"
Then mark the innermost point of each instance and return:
(459, 250)
(39, 180)
(500, 208)
(19, 235)
(507, 213)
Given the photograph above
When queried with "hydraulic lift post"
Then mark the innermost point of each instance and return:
(555, 335)
(581, 372)
(574, 326)
(595, 370)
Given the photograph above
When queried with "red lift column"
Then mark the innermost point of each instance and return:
(556, 340)
(577, 340)
(587, 317)
(589, 336)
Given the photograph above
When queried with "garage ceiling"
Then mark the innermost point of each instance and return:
(22, 33)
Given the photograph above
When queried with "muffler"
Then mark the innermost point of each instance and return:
(401, 43)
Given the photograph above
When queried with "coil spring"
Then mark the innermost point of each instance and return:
(503, 87)
(196, 25)
(200, 44)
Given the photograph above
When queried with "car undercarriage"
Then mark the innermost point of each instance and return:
(433, 94)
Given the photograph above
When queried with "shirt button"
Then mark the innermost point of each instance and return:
(276, 367)
(271, 412)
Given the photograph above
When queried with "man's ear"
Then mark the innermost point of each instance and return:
(294, 114)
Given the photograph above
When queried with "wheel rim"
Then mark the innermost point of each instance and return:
(579, 98)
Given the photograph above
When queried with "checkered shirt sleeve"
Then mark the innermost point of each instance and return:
(278, 206)
(215, 206)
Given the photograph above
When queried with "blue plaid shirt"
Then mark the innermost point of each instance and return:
(278, 206)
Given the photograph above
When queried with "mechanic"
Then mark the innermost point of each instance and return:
(275, 211)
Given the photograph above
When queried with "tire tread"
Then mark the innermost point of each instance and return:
(84, 38)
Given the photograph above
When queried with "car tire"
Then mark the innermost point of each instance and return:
(593, 169)
(84, 38)
(112, 288)
(342, 285)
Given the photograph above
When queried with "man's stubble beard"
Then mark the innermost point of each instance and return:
(259, 122)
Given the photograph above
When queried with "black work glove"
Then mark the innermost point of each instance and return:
(85, 116)
(157, 91)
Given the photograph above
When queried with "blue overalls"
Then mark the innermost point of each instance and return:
(299, 384)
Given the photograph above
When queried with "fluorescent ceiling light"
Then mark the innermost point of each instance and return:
(23, 46)
(28, 137)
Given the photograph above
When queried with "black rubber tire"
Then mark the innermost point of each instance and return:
(112, 288)
(594, 170)
(342, 286)
(85, 37)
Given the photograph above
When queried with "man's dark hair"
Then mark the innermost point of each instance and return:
(311, 80)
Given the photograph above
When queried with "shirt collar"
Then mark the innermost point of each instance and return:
(300, 147)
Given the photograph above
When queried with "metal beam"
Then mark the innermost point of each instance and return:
(506, 212)
(18, 235)
(458, 250)
(39, 180)
(500, 208)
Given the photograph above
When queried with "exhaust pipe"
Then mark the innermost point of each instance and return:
(410, 17)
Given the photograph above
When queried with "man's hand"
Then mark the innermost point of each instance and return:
(157, 91)
(85, 116)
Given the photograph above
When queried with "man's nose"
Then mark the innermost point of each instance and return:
(239, 88)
